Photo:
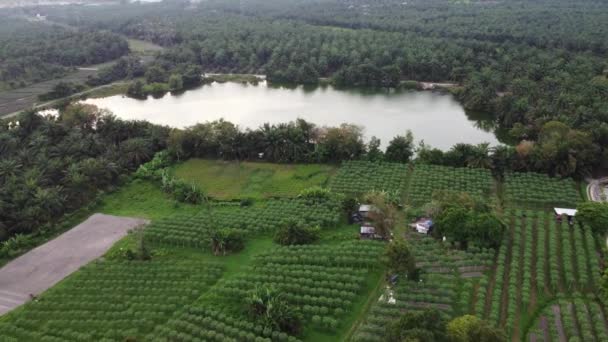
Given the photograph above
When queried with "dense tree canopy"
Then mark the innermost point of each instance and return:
(594, 215)
(36, 51)
(466, 219)
(49, 166)
(527, 62)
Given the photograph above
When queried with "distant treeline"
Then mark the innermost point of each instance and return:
(36, 51)
(527, 62)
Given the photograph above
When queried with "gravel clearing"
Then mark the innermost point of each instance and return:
(41, 268)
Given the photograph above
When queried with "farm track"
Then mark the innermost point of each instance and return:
(44, 266)
(560, 258)
(533, 276)
(516, 328)
(557, 316)
(547, 259)
(544, 327)
(573, 313)
(504, 295)
(491, 288)
(15, 100)
(573, 259)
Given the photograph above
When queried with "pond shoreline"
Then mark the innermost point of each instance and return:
(434, 116)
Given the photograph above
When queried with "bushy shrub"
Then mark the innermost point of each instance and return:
(315, 193)
(225, 241)
(295, 233)
(15, 245)
(181, 190)
(153, 169)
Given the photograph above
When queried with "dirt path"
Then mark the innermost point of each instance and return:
(533, 276)
(544, 327)
(557, 314)
(504, 298)
(46, 265)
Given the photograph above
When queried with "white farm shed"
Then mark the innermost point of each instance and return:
(565, 211)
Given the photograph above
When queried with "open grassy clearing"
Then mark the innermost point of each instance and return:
(142, 46)
(228, 180)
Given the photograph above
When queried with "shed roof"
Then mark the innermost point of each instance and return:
(565, 211)
(365, 207)
(368, 230)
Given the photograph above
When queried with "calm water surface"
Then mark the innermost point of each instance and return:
(438, 119)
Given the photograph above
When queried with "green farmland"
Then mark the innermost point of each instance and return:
(540, 283)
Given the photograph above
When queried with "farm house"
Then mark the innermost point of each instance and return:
(367, 232)
(423, 225)
(561, 212)
(364, 209)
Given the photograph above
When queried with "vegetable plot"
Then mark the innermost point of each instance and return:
(443, 286)
(579, 319)
(195, 231)
(539, 259)
(540, 190)
(358, 177)
(426, 179)
(112, 300)
(323, 281)
(204, 324)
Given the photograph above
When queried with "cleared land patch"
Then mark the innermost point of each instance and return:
(226, 180)
(46, 265)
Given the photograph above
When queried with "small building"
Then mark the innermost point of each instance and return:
(561, 212)
(565, 211)
(364, 209)
(423, 225)
(367, 232)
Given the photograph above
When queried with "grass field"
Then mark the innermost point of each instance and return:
(227, 180)
(142, 46)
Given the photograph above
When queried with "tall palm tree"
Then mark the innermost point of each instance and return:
(479, 156)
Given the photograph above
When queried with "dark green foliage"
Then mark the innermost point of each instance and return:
(61, 89)
(224, 241)
(400, 149)
(400, 259)
(49, 167)
(427, 325)
(593, 215)
(32, 52)
(296, 233)
(467, 219)
(268, 307)
(181, 190)
(285, 142)
(125, 67)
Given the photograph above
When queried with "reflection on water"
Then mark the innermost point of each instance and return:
(436, 118)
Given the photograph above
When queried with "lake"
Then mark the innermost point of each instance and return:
(434, 117)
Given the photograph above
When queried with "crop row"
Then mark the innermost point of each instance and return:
(111, 300)
(357, 177)
(322, 281)
(539, 190)
(427, 179)
(438, 287)
(195, 231)
(203, 324)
